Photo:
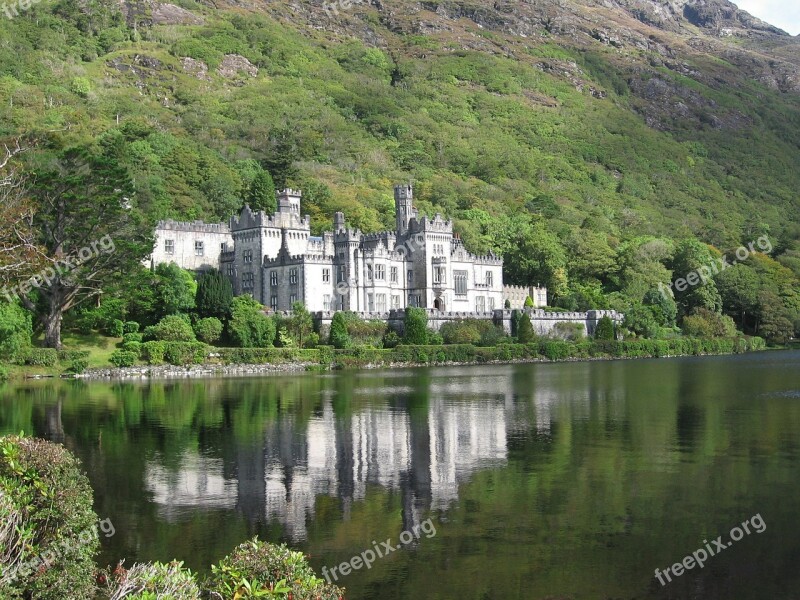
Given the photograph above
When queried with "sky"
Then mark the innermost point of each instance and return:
(781, 13)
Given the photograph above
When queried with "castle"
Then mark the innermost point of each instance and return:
(275, 258)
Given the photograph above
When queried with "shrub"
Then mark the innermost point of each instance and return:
(40, 357)
(255, 567)
(185, 353)
(48, 500)
(391, 339)
(116, 328)
(146, 581)
(249, 327)
(123, 358)
(3, 374)
(708, 324)
(67, 356)
(415, 326)
(135, 347)
(214, 296)
(15, 331)
(153, 352)
(460, 332)
(171, 328)
(77, 366)
(208, 330)
(435, 338)
(311, 341)
(326, 355)
(528, 302)
(130, 327)
(365, 333)
(604, 329)
(132, 337)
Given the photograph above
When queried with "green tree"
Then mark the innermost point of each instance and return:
(641, 320)
(91, 227)
(738, 287)
(261, 194)
(415, 326)
(692, 290)
(665, 303)
(339, 337)
(172, 328)
(604, 329)
(528, 302)
(300, 324)
(214, 295)
(525, 333)
(175, 289)
(249, 327)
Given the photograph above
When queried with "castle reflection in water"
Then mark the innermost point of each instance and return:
(424, 456)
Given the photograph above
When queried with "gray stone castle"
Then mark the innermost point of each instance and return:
(276, 259)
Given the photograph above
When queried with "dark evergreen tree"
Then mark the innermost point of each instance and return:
(415, 326)
(525, 332)
(604, 329)
(261, 195)
(339, 336)
(214, 295)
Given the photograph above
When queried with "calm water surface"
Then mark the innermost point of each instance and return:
(547, 481)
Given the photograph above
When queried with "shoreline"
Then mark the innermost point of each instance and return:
(207, 371)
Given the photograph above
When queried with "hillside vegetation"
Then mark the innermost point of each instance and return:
(591, 144)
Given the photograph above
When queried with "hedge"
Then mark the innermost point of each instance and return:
(40, 357)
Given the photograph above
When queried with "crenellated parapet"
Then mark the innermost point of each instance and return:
(193, 227)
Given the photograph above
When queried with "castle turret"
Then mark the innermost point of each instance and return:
(338, 221)
(404, 206)
(289, 201)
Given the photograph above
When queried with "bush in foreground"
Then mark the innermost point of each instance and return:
(147, 581)
(256, 568)
(48, 536)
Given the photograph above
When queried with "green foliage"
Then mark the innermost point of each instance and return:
(117, 328)
(132, 337)
(707, 324)
(185, 353)
(123, 358)
(641, 320)
(525, 333)
(153, 352)
(300, 324)
(208, 330)
(130, 327)
(415, 326)
(40, 357)
(214, 295)
(175, 289)
(149, 581)
(47, 498)
(604, 329)
(15, 331)
(528, 302)
(573, 332)
(249, 327)
(172, 328)
(339, 337)
(258, 569)
(261, 193)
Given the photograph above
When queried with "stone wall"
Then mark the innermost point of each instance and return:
(543, 322)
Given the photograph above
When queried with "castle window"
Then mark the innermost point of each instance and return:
(460, 280)
(380, 272)
(293, 276)
(480, 304)
(439, 275)
(231, 270)
(342, 274)
(248, 281)
(199, 248)
(395, 301)
(393, 274)
(273, 302)
(326, 276)
(326, 302)
(380, 302)
(273, 278)
(169, 246)
(491, 304)
(489, 279)
(369, 272)
(292, 299)
(410, 276)
(371, 302)
(248, 256)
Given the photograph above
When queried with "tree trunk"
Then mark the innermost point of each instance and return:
(52, 328)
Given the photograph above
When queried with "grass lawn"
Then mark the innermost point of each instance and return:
(99, 347)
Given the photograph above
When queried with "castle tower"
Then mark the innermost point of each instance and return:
(289, 201)
(403, 206)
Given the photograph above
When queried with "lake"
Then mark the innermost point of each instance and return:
(535, 481)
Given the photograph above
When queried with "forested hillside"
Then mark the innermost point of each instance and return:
(593, 144)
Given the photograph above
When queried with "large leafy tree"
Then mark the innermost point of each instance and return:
(175, 289)
(20, 255)
(90, 227)
(692, 291)
(739, 288)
